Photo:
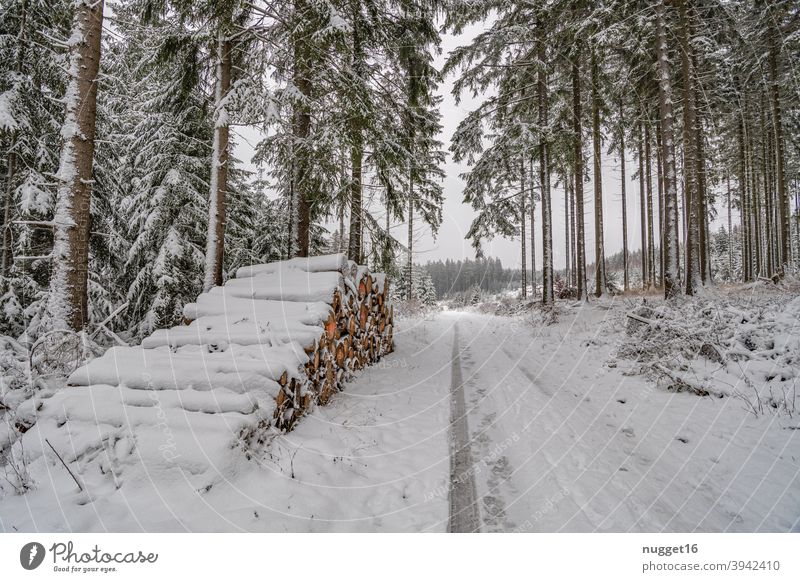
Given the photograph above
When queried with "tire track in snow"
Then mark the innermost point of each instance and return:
(464, 513)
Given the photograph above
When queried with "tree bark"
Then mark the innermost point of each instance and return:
(523, 216)
(777, 119)
(580, 270)
(651, 245)
(671, 283)
(533, 231)
(624, 197)
(544, 180)
(692, 249)
(301, 203)
(68, 300)
(599, 247)
(217, 200)
(643, 207)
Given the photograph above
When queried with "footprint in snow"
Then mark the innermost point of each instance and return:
(628, 432)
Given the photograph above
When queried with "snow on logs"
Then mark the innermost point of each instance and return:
(252, 355)
(288, 333)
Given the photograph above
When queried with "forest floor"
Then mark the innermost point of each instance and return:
(574, 422)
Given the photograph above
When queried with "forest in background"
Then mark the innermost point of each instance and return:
(121, 195)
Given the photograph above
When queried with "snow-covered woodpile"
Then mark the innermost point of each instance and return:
(292, 331)
(252, 356)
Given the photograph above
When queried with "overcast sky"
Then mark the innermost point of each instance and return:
(457, 216)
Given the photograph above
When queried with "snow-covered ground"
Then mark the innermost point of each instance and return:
(565, 435)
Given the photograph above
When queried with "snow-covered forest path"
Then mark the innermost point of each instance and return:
(537, 421)
(563, 441)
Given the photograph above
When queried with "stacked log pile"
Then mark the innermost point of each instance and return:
(287, 335)
(252, 356)
(357, 331)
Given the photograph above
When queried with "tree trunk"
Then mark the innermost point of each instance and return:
(355, 246)
(215, 239)
(580, 270)
(410, 258)
(651, 245)
(599, 250)
(523, 216)
(643, 207)
(660, 183)
(7, 255)
(567, 227)
(730, 227)
(68, 300)
(623, 178)
(301, 130)
(692, 249)
(572, 230)
(777, 119)
(744, 206)
(533, 231)
(671, 283)
(544, 180)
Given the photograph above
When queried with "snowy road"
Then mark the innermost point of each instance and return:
(562, 441)
(475, 422)
(464, 511)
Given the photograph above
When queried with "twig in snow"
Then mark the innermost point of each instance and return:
(65, 465)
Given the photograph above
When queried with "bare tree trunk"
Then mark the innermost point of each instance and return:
(651, 246)
(624, 197)
(567, 226)
(777, 117)
(599, 247)
(301, 130)
(7, 252)
(215, 239)
(410, 245)
(572, 234)
(68, 300)
(643, 207)
(690, 156)
(660, 183)
(744, 207)
(523, 215)
(533, 231)
(580, 270)
(356, 244)
(671, 284)
(730, 226)
(544, 180)
(7, 256)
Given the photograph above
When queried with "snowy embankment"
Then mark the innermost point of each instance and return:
(569, 434)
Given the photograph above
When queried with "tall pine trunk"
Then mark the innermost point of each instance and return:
(215, 238)
(544, 180)
(599, 247)
(68, 301)
(643, 207)
(301, 131)
(651, 245)
(671, 283)
(355, 244)
(523, 216)
(777, 120)
(624, 197)
(580, 270)
(533, 230)
(567, 230)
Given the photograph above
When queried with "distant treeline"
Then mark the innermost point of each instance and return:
(453, 277)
